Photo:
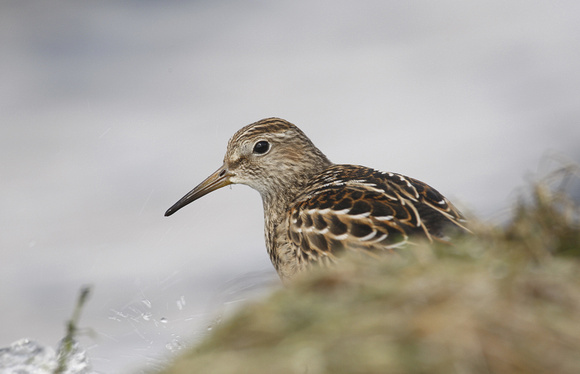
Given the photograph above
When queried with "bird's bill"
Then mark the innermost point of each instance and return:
(220, 178)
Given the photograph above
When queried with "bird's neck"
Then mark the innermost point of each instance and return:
(277, 201)
(276, 206)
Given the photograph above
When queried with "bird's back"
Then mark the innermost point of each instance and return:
(349, 207)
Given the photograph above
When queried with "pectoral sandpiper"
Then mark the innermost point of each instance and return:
(314, 209)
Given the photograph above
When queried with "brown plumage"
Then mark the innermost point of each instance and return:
(314, 209)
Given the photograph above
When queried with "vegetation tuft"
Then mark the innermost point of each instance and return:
(504, 300)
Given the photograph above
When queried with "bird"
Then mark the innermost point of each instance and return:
(315, 210)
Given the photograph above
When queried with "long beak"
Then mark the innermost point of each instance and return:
(220, 178)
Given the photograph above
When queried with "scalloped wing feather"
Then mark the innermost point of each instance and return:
(358, 208)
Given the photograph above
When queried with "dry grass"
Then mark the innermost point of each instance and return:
(506, 300)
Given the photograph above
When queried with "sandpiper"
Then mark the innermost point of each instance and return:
(314, 209)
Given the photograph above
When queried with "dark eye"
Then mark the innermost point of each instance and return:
(261, 147)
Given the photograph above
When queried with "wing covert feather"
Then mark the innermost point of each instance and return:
(369, 211)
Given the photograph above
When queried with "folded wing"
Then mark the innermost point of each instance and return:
(358, 208)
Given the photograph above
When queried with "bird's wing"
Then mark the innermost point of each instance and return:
(375, 211)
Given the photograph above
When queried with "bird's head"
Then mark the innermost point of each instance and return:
(272, 156)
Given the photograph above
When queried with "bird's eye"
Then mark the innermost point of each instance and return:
(261, 147)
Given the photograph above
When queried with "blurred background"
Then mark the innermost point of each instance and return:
(111, 111)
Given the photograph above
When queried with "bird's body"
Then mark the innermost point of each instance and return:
(314, 209)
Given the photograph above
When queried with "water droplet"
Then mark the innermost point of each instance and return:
(181, 303)
(174, 345)
(214, 323)
(163, 320)
(117, 315)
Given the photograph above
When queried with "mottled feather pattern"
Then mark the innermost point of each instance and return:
(356, 207)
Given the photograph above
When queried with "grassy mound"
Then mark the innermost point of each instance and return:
(505, 300)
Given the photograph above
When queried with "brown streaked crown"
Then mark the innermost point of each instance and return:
(287, 165)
